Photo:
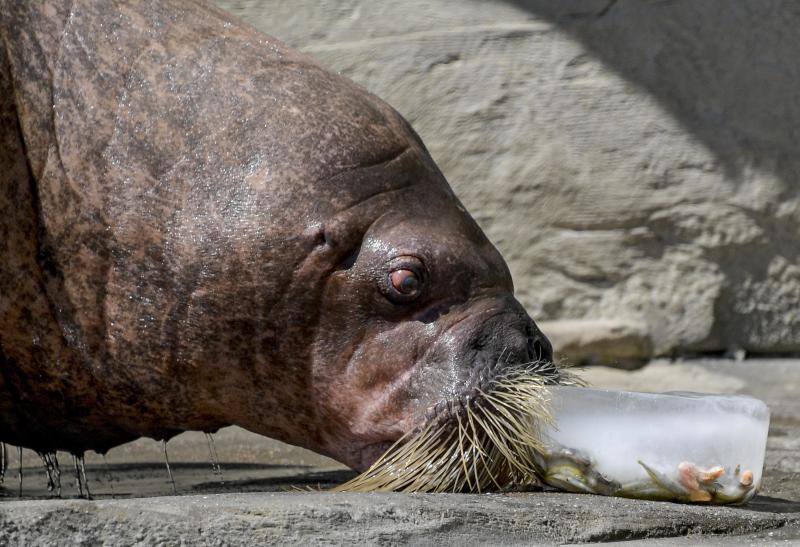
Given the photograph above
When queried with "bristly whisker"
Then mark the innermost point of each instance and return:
(486, 439)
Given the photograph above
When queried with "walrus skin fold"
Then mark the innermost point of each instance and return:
(201, 227)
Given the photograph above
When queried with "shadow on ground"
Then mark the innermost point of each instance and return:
(769, 504)
(321, 480)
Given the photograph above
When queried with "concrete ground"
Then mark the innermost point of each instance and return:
(256, 496)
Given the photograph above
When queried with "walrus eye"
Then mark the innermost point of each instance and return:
(405, 279)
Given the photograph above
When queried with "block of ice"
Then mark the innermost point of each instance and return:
(671, 446)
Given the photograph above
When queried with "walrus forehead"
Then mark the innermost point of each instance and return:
(177, 92)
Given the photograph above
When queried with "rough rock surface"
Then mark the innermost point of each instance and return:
(599, 342)
(313, 518)
(632, 160)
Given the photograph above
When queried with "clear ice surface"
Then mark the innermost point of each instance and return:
(682, 446)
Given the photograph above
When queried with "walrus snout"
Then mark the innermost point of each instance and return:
(490, 334)
(442, 366)
(509, 337)
(490, 344)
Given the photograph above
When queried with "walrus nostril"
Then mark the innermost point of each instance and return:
(539, 349)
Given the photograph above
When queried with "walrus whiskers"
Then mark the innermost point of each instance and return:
(488, 442)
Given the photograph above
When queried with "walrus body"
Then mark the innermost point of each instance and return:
(200, 227)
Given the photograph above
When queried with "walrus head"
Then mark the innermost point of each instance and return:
(419, 315)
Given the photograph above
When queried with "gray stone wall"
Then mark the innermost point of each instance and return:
(635, 161)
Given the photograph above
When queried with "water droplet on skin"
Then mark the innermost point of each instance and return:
(82, 464)
(108, 475)
(216, 469)
(19, 460)
(78, 482)
(50, 461)
(80, 476)
(169, 471)
(3, 462)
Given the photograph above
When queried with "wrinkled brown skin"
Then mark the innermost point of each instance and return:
(195, 225)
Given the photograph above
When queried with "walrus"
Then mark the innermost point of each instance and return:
(202, 227)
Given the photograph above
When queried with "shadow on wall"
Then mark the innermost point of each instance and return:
(729, 72)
